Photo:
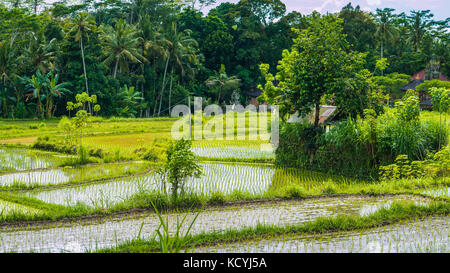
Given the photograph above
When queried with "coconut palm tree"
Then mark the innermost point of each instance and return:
(221, 82)
(8, 72)
(181, 56)
(40, 53)
(121, 46)
(418, 24)
(385, 31)
(80, 26)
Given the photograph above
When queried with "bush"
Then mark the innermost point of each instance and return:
(357, 148)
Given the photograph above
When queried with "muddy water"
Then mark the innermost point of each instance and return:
(224, 178)
(79, 236)
(414, 236)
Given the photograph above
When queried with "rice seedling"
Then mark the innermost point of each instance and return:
(21, 159)
(69, 175)
(10, 208)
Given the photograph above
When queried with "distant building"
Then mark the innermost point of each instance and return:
(431, 72)
(252, 94)
(326, 115)
(425, 75)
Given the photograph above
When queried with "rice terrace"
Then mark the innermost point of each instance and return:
(145, 127)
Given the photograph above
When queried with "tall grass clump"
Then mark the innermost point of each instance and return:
(357, 147)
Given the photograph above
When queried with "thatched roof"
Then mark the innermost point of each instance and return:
(326, 113)
(253, 92)
(411, 85)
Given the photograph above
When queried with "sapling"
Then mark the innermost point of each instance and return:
(81, 119)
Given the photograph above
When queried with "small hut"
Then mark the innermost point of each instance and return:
(252, 94)
(326, 115)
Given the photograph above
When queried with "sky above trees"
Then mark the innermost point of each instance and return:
(439, 8)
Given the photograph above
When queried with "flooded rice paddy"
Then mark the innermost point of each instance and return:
(22, 159)
(223, 178)
(442, 192)
(8, 208)
(93, 234)
(413, 236)
(62, 175)
(22, 168)
(233, 152)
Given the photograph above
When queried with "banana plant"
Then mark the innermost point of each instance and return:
(35, 87)
(131, 100)
(54, 89)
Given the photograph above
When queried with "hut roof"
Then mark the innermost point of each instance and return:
(253, 92)
(411, 85)
(326, 112)
(426, 102)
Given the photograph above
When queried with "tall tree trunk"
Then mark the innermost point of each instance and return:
(218, 97)
(170, 88)
(163, 85)
(115, 68)
(84, 70)
(316, 118)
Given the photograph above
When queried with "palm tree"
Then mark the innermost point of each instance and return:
(80, 26)
(8, 71)
(386, 31)
(155, 48)
(121, 45)
(418, 23)
(222, 82)
(181, 55)
(41, 54)
(54, 89)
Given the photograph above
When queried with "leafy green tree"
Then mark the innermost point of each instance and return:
(390, 84)
(359, 27)
(266, 10)
(82, 117)
(181, 164)
(426, 86)
(317, 65)
(408, 107)
(381, 65)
